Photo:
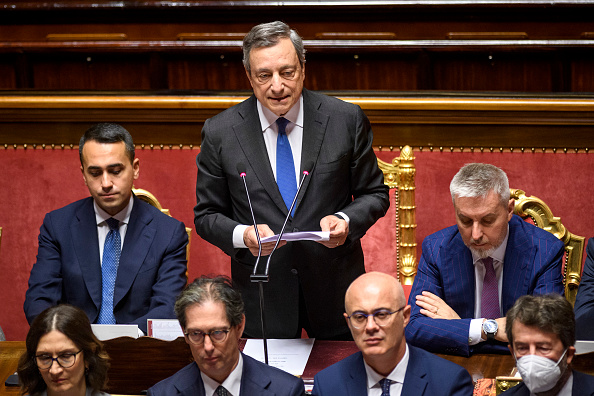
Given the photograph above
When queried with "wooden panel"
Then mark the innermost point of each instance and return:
(220, 71)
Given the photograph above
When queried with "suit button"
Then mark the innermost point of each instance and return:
(294, 271)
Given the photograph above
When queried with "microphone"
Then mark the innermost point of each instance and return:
(309, 165)
(241, 171)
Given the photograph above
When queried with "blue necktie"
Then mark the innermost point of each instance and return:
(109, 269)
(285, 168)
(385, 384)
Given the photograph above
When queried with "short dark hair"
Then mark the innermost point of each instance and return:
(550, 313)
(218, 288)
(74, 324)
(107, 132)
(268, 35)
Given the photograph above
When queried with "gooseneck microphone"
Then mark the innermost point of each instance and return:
(241, 170)
(309, 165)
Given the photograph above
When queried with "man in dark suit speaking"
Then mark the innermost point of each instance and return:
(274, 136)
(119, 259)
(471, 273)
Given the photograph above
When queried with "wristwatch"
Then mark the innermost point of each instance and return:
(490, 327)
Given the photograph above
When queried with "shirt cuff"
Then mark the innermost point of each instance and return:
(238, 231)
(344, 217)
(475, 331)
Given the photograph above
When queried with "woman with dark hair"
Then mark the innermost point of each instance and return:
(63, 356)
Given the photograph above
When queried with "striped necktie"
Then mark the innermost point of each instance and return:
(490, 296)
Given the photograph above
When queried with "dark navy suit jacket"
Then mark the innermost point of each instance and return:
(584, 303)
(532, 265)
(151, 272)
(257, 379)
(426, 375)
(583, 385)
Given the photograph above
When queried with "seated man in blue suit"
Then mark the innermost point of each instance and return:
(117, 258)
(541, 333)
(376, 313)
(584, 303)
(470, 274)
(211, 314)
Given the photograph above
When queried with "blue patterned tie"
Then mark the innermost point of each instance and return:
(285, 168)
(385, 384)
(109, 270)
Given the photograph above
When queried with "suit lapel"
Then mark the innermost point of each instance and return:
(460, 277)
(414, 379)
(314, 129)
(356, 380)
(519, 254)
(190, 384)
(251, 141)
(139, 237)
(253, 380)
(85, 241)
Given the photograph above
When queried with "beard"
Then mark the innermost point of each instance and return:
(482, 253)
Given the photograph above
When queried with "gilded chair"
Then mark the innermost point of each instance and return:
(534, 209)
(400, 176)
(149, 198)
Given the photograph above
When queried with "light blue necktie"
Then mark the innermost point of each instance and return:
(285, 168)
(109, 269)
(385, 384)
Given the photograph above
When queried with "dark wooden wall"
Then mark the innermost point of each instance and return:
(417, 45)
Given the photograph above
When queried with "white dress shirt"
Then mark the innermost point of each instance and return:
(232, 383)
(102, 216)
(396, 377)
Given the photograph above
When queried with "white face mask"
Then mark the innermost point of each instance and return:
(539, 373)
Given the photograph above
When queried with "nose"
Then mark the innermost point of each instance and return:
(106, 182)
(477, 231)
(208, 344)
(55, 368)
(371, 326)
(277, 82)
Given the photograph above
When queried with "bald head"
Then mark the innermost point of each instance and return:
(374, 284)
(380, 338)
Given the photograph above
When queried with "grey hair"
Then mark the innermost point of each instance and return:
(268, 35)
(217, 289)
(477, 180)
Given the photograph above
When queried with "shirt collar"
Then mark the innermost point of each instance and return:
(498, 254)
(267, 117)
(397, 375)
(232, 383)
(123, 215)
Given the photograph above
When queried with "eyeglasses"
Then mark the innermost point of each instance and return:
(197, 337)
(288, 74)
(65, 360)
(381, 317)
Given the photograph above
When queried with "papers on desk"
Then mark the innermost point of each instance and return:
(300, 236)
(289, 355)
(582, 347)
(107, 332)
(164, 329)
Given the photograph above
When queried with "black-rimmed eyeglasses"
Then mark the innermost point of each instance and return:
(65, 360)
(381, 317)
(197, 337)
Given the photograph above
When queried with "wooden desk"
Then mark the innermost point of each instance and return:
(137, 364)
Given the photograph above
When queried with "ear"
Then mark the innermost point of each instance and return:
(570, 354)
(136, 168)
(406, 314)
(247, 73)
(82, 170)
(511, 349)
(241, 326)
(510, 209)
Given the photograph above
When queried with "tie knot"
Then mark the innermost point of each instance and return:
(221, 391)
(113, 224)
(488, 262)
(281, 122)
(385, 384)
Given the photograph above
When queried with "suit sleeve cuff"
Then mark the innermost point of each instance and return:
(475, 331)
(238, 236)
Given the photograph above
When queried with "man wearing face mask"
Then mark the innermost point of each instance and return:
(541, 333)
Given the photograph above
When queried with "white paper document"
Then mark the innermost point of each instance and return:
(109, 331)
(164, 329)
(582, 347)
(300, 236)
(290, 355)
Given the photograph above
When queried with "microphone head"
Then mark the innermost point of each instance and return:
(241, 169)
(307, 168)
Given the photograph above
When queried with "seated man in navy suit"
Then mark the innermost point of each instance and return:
(114, 256)
(584, 303)
(541, 333)
(376, 313)
(470, 274)
(211, 314)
